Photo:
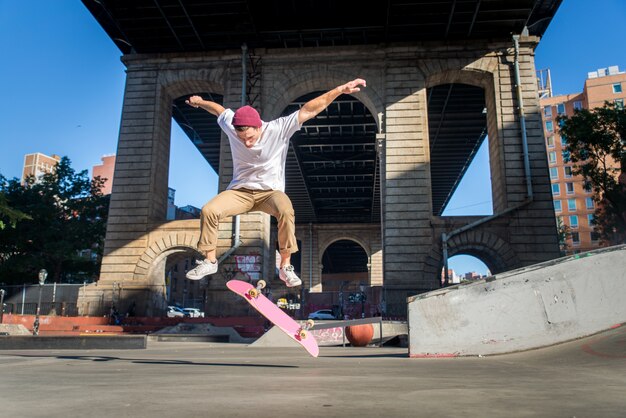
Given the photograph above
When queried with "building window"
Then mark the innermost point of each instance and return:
(550, 141)
(571, 205)
(547, 111)
(569, 188)
(557, 206)
(556, 190)
(567, 170)
(554, 173)
(575, 238)
(617, 88)
(549, 126)
(560, 108)
(619, 104)
(578, 105)
(552, 157)
(589, 203)
(587, 186)
(573, 221)
(590, 219)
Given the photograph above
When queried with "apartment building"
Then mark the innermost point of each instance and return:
(38, 164)
(573, 198)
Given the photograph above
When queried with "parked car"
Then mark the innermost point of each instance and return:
(193, 313)
(175, 312)
(322, 314)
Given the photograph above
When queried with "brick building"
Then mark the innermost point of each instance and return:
(573, 199)
(105, 171)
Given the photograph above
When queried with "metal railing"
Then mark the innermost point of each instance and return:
(343, 324)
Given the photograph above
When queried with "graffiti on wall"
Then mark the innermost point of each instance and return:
(249, 266)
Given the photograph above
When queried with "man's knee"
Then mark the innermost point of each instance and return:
(210, 211)
(284, 206)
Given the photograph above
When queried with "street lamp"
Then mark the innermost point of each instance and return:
(2, 292)
(43, 274)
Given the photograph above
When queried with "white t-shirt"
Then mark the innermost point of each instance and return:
(261, 167)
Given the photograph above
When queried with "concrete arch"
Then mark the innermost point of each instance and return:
(471, 76)
(496, 253)
(179, 83)
(440, 69)
(492, 250)
(151, 265)
(306, 82)
(323, 246)
(326, 244)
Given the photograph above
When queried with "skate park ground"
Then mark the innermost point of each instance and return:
(582, 378)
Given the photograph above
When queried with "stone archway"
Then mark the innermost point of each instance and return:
(492, 250)
(168, 244)
(350, 264)
(497, 254)
(280, 96)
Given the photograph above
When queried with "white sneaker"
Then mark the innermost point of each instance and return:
(203, 268)
(287, 275)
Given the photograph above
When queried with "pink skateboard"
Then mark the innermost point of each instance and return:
(272, 312)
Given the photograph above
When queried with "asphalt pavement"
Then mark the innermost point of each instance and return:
(583, 378)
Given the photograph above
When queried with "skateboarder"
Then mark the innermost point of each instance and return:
(259, 152)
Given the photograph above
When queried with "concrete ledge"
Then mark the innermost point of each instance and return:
(102, 342)
(200, 332)
(198, 338)
(536, 306)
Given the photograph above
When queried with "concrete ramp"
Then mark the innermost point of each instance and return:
(523, 309)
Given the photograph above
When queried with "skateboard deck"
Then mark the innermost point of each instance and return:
(275, 315)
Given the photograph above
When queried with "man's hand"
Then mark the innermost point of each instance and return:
(352, 86)
(315, 106)
(211, 107)
(194, 101)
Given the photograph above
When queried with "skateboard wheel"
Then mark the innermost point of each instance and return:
(261, 284)
(253, 293)
(309, 324)
(302, 334)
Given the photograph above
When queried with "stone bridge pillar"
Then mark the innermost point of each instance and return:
(412, 240)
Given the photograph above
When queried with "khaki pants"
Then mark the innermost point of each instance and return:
(235, 202)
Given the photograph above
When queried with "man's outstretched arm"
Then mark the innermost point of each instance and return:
(313, 107)
(211, 107)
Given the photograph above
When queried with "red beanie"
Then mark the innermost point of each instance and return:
(247, 116)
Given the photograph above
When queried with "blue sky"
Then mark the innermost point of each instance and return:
(62, 85)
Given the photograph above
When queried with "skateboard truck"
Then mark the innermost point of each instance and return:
(302, 332)
(255, 292)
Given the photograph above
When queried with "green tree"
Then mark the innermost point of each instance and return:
(564, 232)
(596, 144)
(67, 215)
(8, 215)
